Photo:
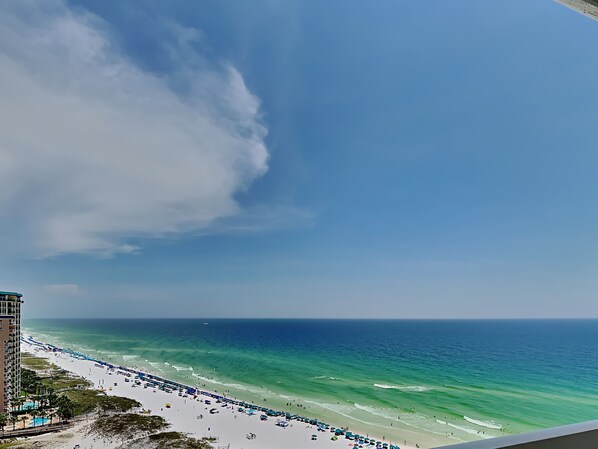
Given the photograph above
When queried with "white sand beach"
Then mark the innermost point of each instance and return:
(229, 426)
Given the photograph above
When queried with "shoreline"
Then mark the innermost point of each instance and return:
(189, 413)
(408, 426)
(288, 367)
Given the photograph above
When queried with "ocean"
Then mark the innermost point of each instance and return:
(426, 382)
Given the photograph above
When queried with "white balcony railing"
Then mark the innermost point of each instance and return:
(575, 436)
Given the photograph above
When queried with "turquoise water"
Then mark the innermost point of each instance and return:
(430, 382)
(39, 422)
(28, 406)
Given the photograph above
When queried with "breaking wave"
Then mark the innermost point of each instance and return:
(181, 368)
(233, 385)
(488, 425)
(407, 388)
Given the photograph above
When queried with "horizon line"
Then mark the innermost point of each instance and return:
(324, 318)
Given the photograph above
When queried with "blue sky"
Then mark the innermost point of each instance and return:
(386, 159)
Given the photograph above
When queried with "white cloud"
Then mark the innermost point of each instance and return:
(95, 151)
(63, 289)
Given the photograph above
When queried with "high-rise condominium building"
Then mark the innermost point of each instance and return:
(10, 348)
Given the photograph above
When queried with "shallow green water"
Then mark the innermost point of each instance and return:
(431, 382)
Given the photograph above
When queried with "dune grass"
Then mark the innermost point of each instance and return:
(36, 363)
(127, 426)
(51, 375)
(168, 440)
(87, 401)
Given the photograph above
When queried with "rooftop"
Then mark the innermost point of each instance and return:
(10, 293)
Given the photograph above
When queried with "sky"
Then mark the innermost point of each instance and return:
(299, 158)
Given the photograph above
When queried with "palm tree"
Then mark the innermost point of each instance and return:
(13, 419)
(3, 420)
(65, 410)
(37, 400)
(16, 403)
(34, 414)
(44, 413)
(52, 397)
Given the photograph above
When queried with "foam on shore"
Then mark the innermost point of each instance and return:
(407, 388)
(189, 415)
(486, 424)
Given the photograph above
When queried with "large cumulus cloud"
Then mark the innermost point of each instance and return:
(96, 151)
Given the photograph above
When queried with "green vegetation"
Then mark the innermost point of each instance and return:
(36, 363)
(65, 408)
(87, 401)
(84, 401)
(56, 393)
(13, 444)
(40, 391)
(127, 426)
(38, 374)
(30, 381)
(41, 380)
(3, 421)
(22, 444)
(168, 440)
(178, 440)
(62, 380)
(117, 404)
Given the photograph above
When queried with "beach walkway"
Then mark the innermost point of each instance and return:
(32, 431)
